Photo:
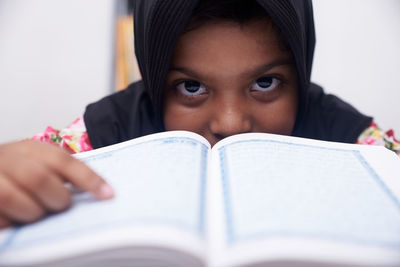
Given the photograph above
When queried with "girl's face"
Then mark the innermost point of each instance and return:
(227, 79)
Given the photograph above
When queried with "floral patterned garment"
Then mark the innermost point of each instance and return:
(375, 136)
(75, 138)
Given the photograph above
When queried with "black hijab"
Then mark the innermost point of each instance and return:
(136, 111)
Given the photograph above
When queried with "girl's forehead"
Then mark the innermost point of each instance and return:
(261, 29)
(224, 41)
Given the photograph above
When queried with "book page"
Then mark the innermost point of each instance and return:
(286, 198)
(160, 200)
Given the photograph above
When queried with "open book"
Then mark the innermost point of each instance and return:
(251, 200)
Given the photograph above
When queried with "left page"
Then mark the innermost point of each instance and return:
(159, 182)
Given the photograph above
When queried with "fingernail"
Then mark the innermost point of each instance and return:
(106, 191)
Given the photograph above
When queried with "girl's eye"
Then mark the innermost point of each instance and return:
(191, 88)
(265, 84)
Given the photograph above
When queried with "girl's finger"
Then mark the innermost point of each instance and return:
(4, 223)
(74, 171)
(17, 205)
(42, 184)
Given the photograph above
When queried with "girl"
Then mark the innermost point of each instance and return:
(217, 68)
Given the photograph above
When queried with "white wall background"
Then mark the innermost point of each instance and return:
(57, 55)
(358, 55)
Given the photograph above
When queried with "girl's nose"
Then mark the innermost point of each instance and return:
(230, 118)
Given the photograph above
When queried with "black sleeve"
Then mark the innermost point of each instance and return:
(119, 117)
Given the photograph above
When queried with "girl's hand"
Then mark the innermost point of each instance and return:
(33, 177)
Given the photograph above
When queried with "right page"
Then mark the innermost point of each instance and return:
(292, 200)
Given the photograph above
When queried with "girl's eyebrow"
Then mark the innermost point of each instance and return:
(184, 70)
(253, 72)
(265, 68)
